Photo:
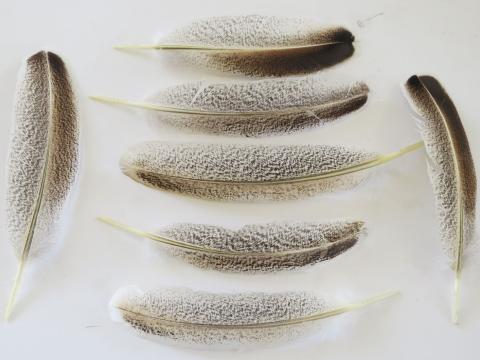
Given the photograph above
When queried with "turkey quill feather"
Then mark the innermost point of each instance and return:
(253, 108)
(250, 172)
(42, 161)
(450, 166)
(202, 319)
(257, 45)
(254, 248)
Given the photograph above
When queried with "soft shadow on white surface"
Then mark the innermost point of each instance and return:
(62, 310)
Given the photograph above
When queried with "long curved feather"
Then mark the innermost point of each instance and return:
(187, 317)
(43, 159)
(451, 168)
(253, 108)
(254, 248)
(257, 45)
(250, 172)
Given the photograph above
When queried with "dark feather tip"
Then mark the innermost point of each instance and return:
(343, 35)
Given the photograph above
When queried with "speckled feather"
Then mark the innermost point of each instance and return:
(317, 242)
(450, 164)
(254, 31)
(183, 316)
(292, 104)
(241, 172)
(44, 136)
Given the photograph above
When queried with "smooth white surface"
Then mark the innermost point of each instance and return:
(62, 309)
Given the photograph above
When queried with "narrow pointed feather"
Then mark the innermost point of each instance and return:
(253, 108)
(450, 166)
(250, 172)
(186, 317)
(257, 45)
(254, 248)
(42, 161)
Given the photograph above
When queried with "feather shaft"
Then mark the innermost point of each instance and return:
(458, 268)
(186, 47)
(176, 110)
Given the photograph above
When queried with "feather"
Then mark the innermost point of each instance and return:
(254, 248)
(257, 45)
(253, 108)
(249, 172)
(43, 159)
(451, 167)
(202, 319)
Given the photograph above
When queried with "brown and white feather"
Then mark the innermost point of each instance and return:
(242, 172)
(450, 164)
(257, 45)
(258, 108)
(43, 156)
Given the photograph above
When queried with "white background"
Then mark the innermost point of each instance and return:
(62, 310)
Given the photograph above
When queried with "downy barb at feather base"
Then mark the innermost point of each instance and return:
(254, 248)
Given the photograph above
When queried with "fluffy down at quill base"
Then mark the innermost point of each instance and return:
(43, 157)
